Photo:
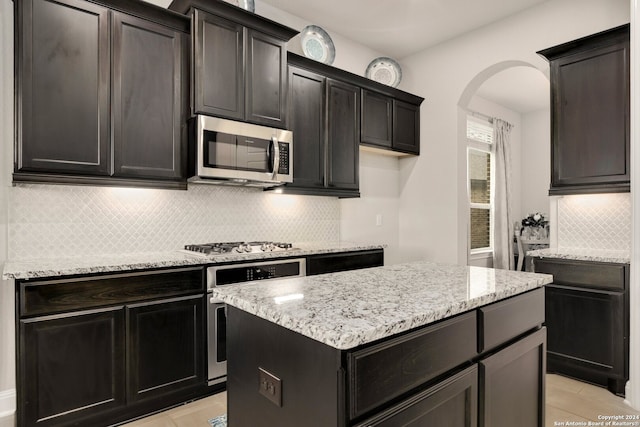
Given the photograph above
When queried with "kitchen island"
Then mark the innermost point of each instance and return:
(410, 344)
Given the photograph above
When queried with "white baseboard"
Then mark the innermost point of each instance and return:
(7, 403)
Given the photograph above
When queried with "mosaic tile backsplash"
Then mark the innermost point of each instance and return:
(595, 221)
(47, 221)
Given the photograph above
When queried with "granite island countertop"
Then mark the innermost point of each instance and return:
(91, 264)
(595, 255)
(351, 308)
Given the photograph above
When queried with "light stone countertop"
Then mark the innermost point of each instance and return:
(351, 308)
(595, 255)
(54, 267)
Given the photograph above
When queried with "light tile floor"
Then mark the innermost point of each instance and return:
(567, 400)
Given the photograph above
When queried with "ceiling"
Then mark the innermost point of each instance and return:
(398, 28)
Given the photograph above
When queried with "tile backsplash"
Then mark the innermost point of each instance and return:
(48, 221)
(595, 221)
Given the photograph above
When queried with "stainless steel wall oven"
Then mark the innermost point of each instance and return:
(227, 275)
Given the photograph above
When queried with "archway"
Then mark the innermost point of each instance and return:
(532, 90)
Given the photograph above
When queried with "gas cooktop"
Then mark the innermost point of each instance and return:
(220, 248)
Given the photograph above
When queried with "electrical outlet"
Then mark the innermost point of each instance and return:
(379, 220)
(270, 386)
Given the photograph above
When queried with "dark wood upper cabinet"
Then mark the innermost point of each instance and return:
(377, 119)
(218, 61)
(239, 63)
(101, 94)
(390, 123)
(324, 116)
(266, 94)
(406, 127)
(62, 58)
(590, 143)
(343, 132)
(307, 121)
(148, 98)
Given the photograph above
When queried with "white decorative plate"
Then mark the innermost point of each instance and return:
(384, 70)
(244, 4)
(249, 5)
(317, 45)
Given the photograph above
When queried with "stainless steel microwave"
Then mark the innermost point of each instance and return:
(236, 153)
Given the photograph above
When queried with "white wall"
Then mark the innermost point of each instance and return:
(430, 211)
(7, 355)
(536, 162)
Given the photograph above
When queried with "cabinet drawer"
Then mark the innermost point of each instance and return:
(453, 402)
(332, 263)
(505, 320)
(384, 371)
(587, 274)
(54, 296)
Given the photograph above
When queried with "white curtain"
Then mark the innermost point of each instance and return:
(502, 218)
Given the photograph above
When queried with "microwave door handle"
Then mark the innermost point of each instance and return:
(276, 156)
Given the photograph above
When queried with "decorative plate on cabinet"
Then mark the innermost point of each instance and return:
(249, 5)
(384, 70)
(244, 4)
(317, 44)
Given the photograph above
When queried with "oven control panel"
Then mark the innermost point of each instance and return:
(239, 273)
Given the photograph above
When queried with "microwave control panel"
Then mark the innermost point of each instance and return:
(284, 158)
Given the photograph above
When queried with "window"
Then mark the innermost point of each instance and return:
(479, 185)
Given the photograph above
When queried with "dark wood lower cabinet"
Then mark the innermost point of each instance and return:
(72, 367)
(587, 318)
(587, 335)
(109, 364)
(512, 387)
(162, 364)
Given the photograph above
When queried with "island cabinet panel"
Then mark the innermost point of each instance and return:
(587, 317)
(72, 366)
(139, 349)
(310, 374)
(453, 403)
(512, 388)
(590, 113)
(431, 375)
(379, 373)
(525, 312)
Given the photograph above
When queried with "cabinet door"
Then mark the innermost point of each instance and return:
(307, 121)
(266, 93)
(588, 332)
(63, 87)
(218, 63)
(343, 135)
(512, 384)
(376, 119)
(406, 127)
(148, 99)
(166, 347)
(590, 116)
(71, 367)
(451, 403)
